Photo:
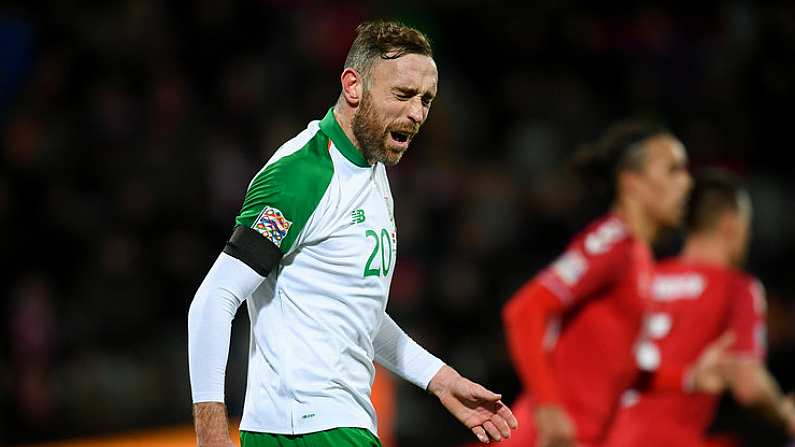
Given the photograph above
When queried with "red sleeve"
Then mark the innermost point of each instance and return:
(592, 262)
(747, 319)
(525, 317)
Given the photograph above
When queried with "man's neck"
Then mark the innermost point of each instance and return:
(706, 249)
(640, 224)
(344, 116)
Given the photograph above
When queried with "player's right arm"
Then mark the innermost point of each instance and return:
(590, 264)
(277, 206)
(753, 386)
(226, 286)
(749, 380)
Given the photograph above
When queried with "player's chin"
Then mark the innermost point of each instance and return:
(392, 155)
(675, 218)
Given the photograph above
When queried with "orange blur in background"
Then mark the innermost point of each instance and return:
(383, 400)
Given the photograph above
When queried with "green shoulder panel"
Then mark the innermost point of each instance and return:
(281, 197)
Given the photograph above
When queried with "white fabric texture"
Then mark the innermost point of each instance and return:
(228, 283)
(399, 353)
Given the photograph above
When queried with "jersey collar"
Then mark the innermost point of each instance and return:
(330, 127)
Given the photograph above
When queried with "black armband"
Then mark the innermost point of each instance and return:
(253, 250)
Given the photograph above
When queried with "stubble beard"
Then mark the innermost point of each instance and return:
(370, 133)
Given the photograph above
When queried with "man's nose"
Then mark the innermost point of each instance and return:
(416, 111)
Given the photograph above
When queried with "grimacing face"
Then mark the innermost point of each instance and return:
(394, 105)
(664, 181)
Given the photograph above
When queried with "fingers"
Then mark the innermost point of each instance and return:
(492, 431)
(498, 427)
(568, 442)
(552, 441)
(507, 414)
(481, 434)
(724, 342)
(788, 409)
(480, 393)
(502, 426)
(543, 440)
(563, 443)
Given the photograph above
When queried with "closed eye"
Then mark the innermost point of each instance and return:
(678, 167)
(405, 94)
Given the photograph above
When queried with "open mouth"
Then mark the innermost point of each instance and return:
(400, 136)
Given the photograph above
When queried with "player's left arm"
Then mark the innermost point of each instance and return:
(749, 380)
(403, 356)
(476, 407)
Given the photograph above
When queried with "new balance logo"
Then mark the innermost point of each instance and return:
(358, 216)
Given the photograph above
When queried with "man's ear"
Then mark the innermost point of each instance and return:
(352, 86)
(627, 181)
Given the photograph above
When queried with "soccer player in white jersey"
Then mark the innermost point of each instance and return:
(312, 254)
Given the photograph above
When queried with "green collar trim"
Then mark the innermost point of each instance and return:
(330, 127)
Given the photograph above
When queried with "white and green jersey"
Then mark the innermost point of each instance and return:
(318, 319)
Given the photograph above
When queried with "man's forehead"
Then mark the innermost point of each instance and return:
(668, 147)
(411, 70)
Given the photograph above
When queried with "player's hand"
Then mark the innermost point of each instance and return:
(475, 406)
(788, 410)
(709, 374)
(555, 428)
(212, 428)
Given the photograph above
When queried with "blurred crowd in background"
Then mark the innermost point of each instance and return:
(129, 131)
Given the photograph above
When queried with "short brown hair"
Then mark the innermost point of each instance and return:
(385, 40)
(715, 192)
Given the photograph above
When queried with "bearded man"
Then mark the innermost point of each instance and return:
(312, 254)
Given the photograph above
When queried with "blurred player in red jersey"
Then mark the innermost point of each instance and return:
(695, 298)
(571, 329)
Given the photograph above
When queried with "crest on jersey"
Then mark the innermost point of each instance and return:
(570, 267)
(272, 224)
(358, 216)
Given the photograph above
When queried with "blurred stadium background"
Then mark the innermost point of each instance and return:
(130, 130)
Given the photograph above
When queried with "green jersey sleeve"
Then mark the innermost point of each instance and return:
(284, 194)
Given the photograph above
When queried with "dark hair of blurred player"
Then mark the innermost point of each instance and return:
(695, 298)
(571, 329)
(719, 213)
(642, 167)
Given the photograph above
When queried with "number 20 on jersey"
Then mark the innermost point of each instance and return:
(383, 244)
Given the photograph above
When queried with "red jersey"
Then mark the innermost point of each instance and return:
(692, 305)
(601, 281)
